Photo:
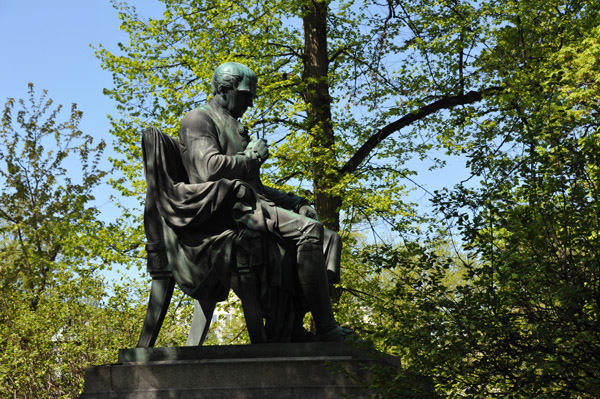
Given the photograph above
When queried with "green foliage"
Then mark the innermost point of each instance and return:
(522, 318)
(45, 223)
(532, 223)
(229, 328)
(512, 86)
(165, 69)
(75, 325)
(56, 316)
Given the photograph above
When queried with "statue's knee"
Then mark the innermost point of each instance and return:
(311, 235)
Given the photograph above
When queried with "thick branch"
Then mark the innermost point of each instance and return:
(443, 103)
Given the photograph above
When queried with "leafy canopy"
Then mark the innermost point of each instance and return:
(56, 317)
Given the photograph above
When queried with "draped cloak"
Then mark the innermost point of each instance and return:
(204, 223)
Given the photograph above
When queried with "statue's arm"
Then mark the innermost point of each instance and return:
(285, 200)
(202, 156)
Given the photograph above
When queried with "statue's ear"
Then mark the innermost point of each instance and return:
(223, 89)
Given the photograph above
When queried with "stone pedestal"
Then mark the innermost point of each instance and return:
(294, 371)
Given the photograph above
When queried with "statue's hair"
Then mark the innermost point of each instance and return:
(230, 74)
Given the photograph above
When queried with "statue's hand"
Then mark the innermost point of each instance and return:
(308, 211)
(257, 149)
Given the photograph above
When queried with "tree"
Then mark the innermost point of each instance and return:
(523, 320)
(533, 222)
(55, 314)
(45, 220)
(351, 92)
(330, 102)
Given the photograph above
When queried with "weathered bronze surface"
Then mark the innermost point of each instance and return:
(209, 212)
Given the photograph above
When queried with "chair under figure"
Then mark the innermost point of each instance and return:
(171, 218)
(246, 286)
(204, 311)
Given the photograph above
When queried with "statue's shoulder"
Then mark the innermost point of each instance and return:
(204, 109)
(199, 114)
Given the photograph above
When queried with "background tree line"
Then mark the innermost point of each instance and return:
(58, 313)
(493, 293)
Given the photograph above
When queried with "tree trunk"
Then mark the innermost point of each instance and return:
(318, 100)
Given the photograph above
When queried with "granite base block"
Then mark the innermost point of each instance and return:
(295, 371)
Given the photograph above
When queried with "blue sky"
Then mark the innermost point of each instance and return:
(50, 43)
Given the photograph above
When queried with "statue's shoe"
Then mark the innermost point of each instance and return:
(336, 334)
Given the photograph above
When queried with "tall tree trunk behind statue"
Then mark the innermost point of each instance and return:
(318, 100)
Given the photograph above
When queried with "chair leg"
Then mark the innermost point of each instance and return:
(248, 293)
(203, 312)
(161, 292)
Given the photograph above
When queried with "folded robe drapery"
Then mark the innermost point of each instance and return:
(206, 224)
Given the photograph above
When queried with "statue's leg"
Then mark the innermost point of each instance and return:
(332, 248)
(307, 234)
(312, 276)
(203, 312)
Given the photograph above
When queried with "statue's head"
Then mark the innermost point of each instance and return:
(233, 75)
(234, 86)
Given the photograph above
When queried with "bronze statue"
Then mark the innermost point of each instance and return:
(215, 212)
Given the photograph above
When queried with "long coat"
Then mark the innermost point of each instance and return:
(209, 195)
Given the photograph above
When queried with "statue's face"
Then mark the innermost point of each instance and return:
(238, 101)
